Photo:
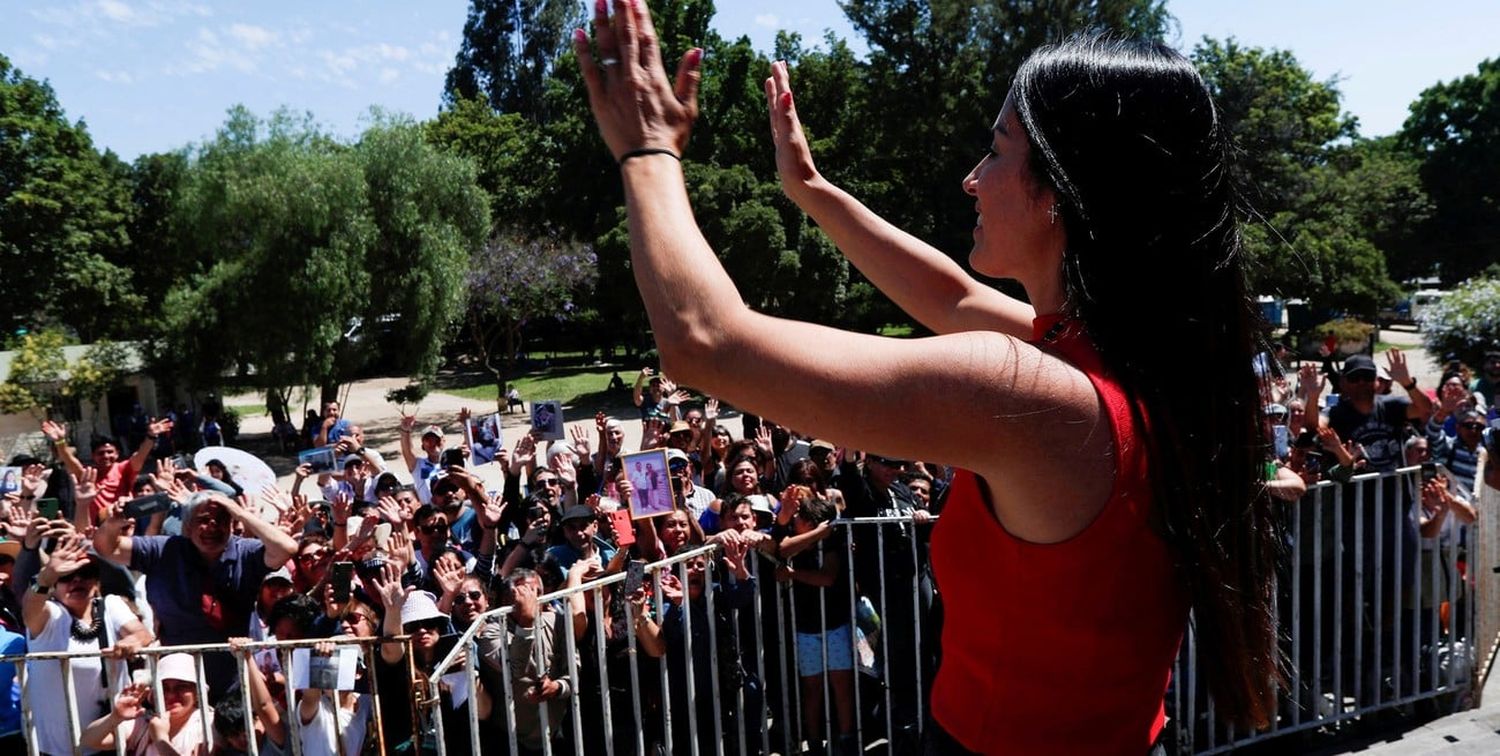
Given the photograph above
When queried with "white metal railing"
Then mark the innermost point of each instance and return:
(1360, 611)
(1361, 614)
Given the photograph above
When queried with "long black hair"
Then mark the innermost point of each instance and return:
(1128, 137)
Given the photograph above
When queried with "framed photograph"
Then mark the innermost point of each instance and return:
(485, 437)
(10, 480)
(547, 418)
(322, 459)
(650, 483)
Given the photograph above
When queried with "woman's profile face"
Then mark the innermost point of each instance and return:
(1014, 234)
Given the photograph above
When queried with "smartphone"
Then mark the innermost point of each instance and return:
(1283, 440)
(635, 576)
(1332, 401)
(452, 458)
(1429, 472)
(49, 508)
(145, 506)
(624, 528)
(183, 462)
(342, 579)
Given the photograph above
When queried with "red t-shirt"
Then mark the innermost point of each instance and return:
(113, 485)
(1064, 647)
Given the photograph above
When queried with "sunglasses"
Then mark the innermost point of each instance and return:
(677, 466)
(473, 596)
(357, 617)
(79, 575)
(1472, 426)
(433, 625)
(549, 482)
(433, 529)
(311, 556)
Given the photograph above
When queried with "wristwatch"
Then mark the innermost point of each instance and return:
(1411, 385)
(38, 588)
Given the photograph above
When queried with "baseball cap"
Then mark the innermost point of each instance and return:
(760, 503)
(820, 444)
(884, 460)
(280, 573)
(676, 455)
(679, 426)
(1359, 363)
(578, 512)
(433, 430)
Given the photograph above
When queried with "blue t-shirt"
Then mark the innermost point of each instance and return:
(11, 644)
(197, 602)
(566, 556)
(339, 430)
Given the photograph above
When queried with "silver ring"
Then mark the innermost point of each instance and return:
(609, 61)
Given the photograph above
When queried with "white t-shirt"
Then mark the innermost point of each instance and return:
(319, 736)
(45, 676)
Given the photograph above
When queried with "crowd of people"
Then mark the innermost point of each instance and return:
(144, 551)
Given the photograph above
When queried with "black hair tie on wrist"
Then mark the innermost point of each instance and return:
(648, 151)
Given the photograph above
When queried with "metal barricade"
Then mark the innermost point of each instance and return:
(1372, 617)
(244, 655)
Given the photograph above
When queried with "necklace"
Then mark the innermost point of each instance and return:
(1056, 331)
(90, 632)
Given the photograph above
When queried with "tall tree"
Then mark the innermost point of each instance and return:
(63, 214)
(515, 280)
(1454, 127)
(509, 49)
(1282, 120)
(324, 257)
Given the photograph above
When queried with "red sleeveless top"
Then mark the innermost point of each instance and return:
(1064, 647)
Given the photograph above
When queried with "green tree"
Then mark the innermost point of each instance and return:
(509, 49)
(63, 214)
(37, 371)
(317, 258)
(1454, 128)
(515, 280)
(1281, 120)
(511, 154)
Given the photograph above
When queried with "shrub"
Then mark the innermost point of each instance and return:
(1466, 323)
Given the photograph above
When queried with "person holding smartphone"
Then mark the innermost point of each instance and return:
(113, 476)
(1091, 475)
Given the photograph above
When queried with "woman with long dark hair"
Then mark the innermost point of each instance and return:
(1102, 495)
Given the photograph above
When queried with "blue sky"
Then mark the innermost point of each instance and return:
(152, 75)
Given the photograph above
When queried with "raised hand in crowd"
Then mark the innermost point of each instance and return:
(1435, 507)
(71, 555)
(652, 433)
(580, 440)
(401, 548)
(524, 455)
(39, 529)
(1329, 439)
(390, 510)
(1451, 397)
(131, 702)
(33, 482)
(1395, 362)
(668, 387)
(734, 557)
(158, 427)
(763, 441)
(678, 397)
(343, 506)
(524, 606)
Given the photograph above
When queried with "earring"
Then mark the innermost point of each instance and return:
(1052, 213)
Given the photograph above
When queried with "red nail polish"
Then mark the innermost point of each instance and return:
(580, 35)
(600, 9)
(786, 99)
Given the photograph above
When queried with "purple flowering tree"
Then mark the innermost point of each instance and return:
(518, 278)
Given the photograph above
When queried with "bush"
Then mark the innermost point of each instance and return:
(1466, 323)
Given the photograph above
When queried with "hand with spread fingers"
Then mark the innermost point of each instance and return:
(639, 111)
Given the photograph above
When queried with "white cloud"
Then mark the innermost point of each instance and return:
(117, 11)
(768, 20)
(208, 52)
(115, 77)
(389, 75)
(252, 37)
(46, 41)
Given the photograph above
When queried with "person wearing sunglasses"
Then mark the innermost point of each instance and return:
(64, 611)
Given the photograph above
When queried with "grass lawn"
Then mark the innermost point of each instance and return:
(896, 331)
(248, 410)
(583, 388)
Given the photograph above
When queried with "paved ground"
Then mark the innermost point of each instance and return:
(1476, 731)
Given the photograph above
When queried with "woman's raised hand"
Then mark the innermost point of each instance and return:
(794, 162)
(634, 104)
